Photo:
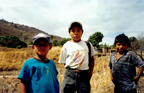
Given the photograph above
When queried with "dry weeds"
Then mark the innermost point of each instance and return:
(12, 59)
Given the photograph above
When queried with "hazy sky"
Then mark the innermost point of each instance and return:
(110, 17)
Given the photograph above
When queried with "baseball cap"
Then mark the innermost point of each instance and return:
(41, 36)
(75, 24)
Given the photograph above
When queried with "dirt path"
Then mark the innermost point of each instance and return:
(140, 86)
(110, 87)
(10, 82)
(9, 76)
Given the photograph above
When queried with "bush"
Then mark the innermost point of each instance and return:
(19, 47)
(56, 43)
(11, 42)
(100, 54)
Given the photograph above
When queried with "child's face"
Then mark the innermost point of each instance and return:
(76, 34)
(41, 48)
(121, 47)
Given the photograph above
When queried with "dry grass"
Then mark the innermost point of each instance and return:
(12, 59)
(9, 85)
(101, 75)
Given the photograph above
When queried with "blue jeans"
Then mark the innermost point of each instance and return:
(76, 81)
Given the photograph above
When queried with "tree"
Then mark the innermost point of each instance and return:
(62, 42)
(104, 45)
(96, 38)
(132, 39)
(112, 46)
(51, 36)
(12, 42)
(56, 43)
(137, 45)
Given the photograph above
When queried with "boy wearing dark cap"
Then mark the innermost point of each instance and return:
(74, 55)
(39, 74)
(123, 65)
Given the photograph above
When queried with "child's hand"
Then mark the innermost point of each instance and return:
(111, 78)
(136, 80)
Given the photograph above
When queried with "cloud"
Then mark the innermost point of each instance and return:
(111, 17)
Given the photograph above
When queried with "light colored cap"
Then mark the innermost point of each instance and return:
(42, 36)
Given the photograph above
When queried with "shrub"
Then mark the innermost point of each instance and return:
(19, 47)
(100, 54)
(11, 42)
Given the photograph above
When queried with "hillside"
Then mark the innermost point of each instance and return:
(25, 33)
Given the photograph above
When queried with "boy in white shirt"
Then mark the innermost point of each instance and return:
(75, 56)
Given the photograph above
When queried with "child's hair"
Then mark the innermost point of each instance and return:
(75, 24)
(122, 38)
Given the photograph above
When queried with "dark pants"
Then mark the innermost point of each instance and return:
(128, 91)
(76, 81)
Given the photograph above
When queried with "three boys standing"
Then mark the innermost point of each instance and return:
(39, 74)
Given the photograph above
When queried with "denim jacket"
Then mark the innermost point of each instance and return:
(124, 70)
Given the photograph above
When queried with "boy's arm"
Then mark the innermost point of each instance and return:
(92, 66)
(139, 74)
(111, 74)
(23, 86)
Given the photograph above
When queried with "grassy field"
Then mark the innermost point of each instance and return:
(11, 61)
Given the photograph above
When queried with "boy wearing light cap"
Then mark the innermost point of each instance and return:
(74, 55)
(123, 65)
(39, 74)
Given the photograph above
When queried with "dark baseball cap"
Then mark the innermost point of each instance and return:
(75, 24)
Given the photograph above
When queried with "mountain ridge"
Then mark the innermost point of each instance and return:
(23, 32)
